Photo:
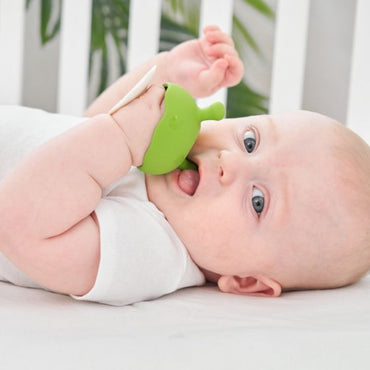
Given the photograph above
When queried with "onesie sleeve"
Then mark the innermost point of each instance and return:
(141, 256)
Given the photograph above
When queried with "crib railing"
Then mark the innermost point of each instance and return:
(288, 60)
(358, 110)
(11, 50)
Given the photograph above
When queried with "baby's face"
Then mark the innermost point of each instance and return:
(265, 182)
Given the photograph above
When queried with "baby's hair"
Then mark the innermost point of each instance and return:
(352, 155)
(350, 161)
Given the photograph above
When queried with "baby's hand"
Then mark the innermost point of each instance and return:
(205, 65)
(138, 120)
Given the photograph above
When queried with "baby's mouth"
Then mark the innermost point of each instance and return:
(188, 181)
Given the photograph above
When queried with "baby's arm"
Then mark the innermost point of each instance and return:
(201, 66)
(47, 223)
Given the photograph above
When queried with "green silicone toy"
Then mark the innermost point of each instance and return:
(177, 131)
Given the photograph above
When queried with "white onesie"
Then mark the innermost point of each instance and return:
(141, 256)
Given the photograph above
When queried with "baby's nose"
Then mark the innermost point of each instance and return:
(228, 166)
(235, 165)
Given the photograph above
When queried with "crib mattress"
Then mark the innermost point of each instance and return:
(195, 328)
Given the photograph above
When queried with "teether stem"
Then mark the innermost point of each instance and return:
(216, 111)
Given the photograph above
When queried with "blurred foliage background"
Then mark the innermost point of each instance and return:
(179, 22)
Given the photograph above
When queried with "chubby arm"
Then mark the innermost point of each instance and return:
(47, 223)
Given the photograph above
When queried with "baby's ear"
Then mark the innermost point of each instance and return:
(258, 285)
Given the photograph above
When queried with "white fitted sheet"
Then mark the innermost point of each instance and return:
(194, 328)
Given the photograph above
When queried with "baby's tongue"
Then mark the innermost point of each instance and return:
(189, 181)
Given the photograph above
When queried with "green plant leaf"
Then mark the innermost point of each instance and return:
(28, 3)
(118, 43)
(104, 71)
(243, 101)
(109, 21)
(173, 34)
(48, 30)
(262, 7)
(240, 29)
(184, 13)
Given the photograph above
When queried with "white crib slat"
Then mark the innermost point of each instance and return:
(11, 48)
(358, 111)
(289, 55)
(74, 56)
(220, 13)
(143, 34)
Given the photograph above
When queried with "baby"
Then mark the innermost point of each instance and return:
(279, 202)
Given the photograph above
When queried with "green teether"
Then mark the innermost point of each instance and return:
(177, 131)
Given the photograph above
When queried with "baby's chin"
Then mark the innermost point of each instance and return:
(159, 192)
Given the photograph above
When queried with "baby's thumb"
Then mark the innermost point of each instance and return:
(153, 95)
(214, 76)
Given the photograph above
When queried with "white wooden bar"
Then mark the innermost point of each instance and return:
(218, 12)
(289, 55)
(143, 33)
(74, 56)
(12, 14)
(358, 111)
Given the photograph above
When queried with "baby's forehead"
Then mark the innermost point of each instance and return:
(299, 125)
(305, 121)
(300, 120)
(301, 115)
(308, 129)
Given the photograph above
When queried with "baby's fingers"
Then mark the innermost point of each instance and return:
(211, 27)
(219, 50)
(213, 77)
(235, 70)
(214, 37)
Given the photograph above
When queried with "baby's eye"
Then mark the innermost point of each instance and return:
(258, 200)
(249, 139)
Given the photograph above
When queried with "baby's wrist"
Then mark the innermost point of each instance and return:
(119, 120)
(163, 72)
